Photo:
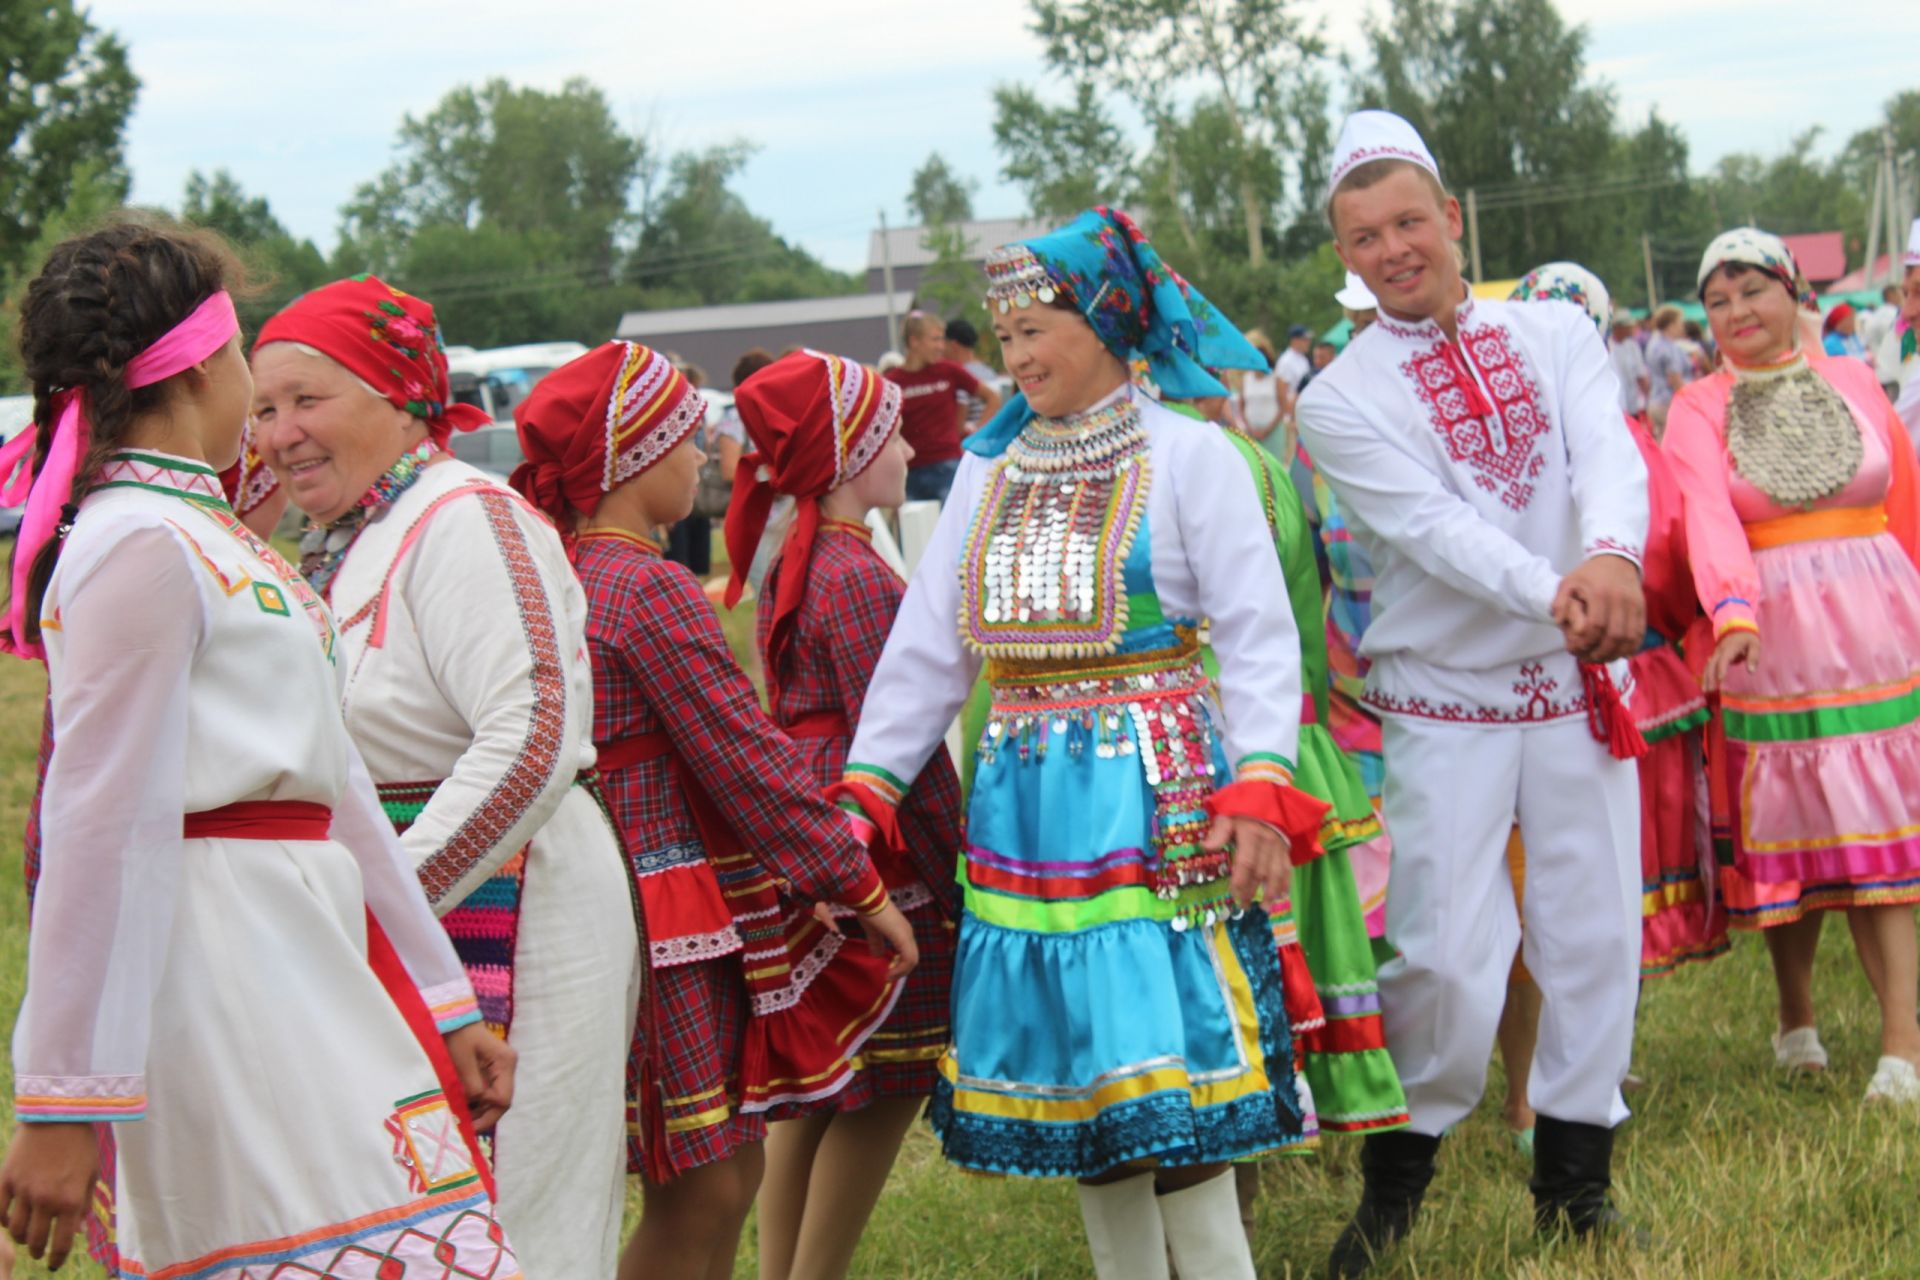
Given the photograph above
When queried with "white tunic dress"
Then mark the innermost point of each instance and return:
(212, 997)
(463, 634)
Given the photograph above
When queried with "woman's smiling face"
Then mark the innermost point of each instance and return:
(1056, 358)
(1752, 313)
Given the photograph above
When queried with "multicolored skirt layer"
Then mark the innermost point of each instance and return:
(1682, 918)
(1823, 741)
(1326, 953)
(1094, 1021)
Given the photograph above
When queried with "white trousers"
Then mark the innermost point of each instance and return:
(1453, 793)
(560, 1155)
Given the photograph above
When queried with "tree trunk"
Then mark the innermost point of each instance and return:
(1250, 210)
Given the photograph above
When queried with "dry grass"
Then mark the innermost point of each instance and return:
(1740, 1174)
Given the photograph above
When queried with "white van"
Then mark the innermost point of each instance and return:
(500, 378)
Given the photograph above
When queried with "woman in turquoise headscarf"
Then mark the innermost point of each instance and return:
(1117, 1009)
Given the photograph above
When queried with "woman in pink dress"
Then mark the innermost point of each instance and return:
(1803, 532)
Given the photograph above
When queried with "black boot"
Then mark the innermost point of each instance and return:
(1397, 1167)
(1572, 1172)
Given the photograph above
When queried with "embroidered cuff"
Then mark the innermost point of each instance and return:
(1613, 547)
(1294, 814)
(1734, 613)
(67, 1099)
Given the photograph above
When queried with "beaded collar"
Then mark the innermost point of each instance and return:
(639, 540)
(1790, 434)
(1042, 574)
(324, 547)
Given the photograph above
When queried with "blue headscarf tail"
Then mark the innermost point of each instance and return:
(1139, 306)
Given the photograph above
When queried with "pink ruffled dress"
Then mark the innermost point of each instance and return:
(1821, 767)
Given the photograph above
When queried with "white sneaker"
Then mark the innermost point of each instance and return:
(1894, 1080)
(1799, 1050)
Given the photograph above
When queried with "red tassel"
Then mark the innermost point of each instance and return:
(1607, 714)
(655, 1164)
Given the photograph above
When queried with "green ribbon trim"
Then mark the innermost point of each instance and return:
(1824, 722)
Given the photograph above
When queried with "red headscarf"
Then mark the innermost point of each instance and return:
(816, 422)
(597, 420)
(248, 482)
(1840, 312)
(386, 338)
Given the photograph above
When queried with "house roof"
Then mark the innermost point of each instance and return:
(908, 248)
(762, 315)
(1822, 255)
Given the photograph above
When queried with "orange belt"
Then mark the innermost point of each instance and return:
(260, 820)
(1817, 526)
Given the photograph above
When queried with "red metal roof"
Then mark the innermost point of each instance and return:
(1822, 255)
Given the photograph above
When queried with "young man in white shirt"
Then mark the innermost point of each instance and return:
(1478, 454)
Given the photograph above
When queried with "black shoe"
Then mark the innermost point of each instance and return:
(1572, 1173)
(1397, 1167)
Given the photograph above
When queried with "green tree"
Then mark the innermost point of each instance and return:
(1794, 191)
(938, 196)
(1065, 158)
(517, 161)
(97, 191)
(701, 245)
(282, 266)
(65, 94)
(1500, 91)
(1251, 59)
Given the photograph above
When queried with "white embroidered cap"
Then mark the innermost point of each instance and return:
(1913, 245)
(1355, 296)
(1377, 135)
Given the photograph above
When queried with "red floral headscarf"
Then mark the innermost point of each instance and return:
(386, 338)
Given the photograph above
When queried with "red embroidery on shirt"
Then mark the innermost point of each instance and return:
(1613, 547)
(1500, 447)
(1534, 685)
(494, 817)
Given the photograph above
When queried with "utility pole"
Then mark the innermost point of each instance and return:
(1895, 238)
(1876, 221)
(1646, 256)
(886, 282)
(1473, 232)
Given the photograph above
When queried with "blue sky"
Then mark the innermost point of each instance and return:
(844, 97)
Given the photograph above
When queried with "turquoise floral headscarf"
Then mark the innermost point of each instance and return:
(1568, 282)
(1142, 309)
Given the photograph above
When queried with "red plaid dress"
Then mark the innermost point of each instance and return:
(661, 665)
(851, 598)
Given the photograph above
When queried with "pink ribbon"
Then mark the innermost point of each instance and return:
(205, 330)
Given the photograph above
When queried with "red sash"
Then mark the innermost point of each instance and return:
(260, 820)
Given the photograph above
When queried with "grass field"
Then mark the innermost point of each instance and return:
(1739, 1173)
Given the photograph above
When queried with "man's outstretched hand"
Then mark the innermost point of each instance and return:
(1601, 609)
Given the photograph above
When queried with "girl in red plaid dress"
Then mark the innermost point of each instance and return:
(826, 434)
(747, 1010)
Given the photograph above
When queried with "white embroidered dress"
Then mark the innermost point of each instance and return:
(1471, 522)
(211, 998)
(463, 634)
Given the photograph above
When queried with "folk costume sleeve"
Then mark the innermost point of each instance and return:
(109, 885)
(1724, 575)
(750, 769)
(1243, 594)
(393, 896)
(510, 685)
(1608, 478)
(1405, 503)
(925, 673)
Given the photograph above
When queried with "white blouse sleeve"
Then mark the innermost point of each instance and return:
(131, 620)
(1404, 503)
(489, 610)
(925, 672)
(394, 897)
(1243, 594)
(1605, 469)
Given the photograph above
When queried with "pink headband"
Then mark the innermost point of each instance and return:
(205, 330)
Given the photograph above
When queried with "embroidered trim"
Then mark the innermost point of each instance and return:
(1499, 446)
(1613, 547)
(538, 759)
(56, 1098)
(692, 948)
(1534, 685)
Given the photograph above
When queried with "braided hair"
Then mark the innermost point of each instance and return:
(101, 299)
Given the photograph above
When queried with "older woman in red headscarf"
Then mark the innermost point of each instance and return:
(468, 692)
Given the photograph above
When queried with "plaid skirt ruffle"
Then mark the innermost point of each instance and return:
(701, 1014)
(902, 1058)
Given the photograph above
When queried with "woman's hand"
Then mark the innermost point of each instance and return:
(889, 930)
(485, 1064)
(45, 1186)
(1601, 609)
(1261, 859)
(1734, 647)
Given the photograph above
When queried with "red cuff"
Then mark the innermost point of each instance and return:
(1294, 814)
(883, 816)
